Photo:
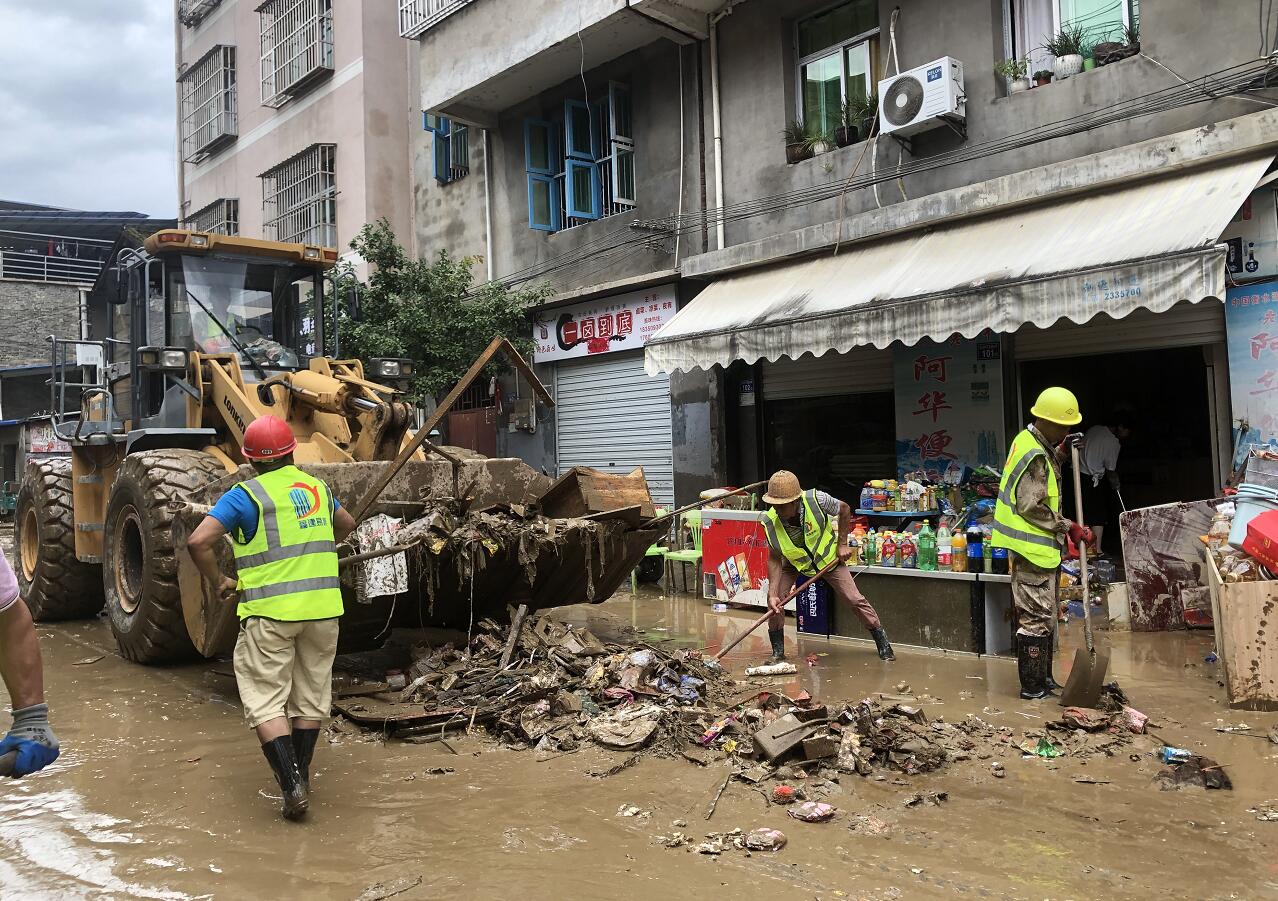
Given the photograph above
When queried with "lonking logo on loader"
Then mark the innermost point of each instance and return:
(234, 413)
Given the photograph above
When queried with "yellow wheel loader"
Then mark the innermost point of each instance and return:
(221, 330)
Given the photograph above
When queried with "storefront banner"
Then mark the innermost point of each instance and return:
(1251, 328)
(39, 438)
(949, 405)
(607, 325)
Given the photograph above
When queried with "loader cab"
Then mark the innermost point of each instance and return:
(185, 292)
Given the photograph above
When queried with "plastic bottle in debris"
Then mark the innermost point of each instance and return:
(958, 544)
(944, 549)
(927, 548)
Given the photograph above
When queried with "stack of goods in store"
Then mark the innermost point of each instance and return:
(1243, 537)
(891, 496)
(922, 548)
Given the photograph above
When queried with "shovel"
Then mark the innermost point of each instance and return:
(1088, 673)
(763, 619)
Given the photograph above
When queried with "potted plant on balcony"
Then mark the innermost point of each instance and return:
(1067, 47)
(798, 142)
(821, 141)
(1111, 50)
(1042, 77)
(1014, 71)
(859, 113)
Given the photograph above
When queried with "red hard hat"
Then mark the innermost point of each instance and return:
(268, 438)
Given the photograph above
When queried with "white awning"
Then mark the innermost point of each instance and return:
(1148, 245)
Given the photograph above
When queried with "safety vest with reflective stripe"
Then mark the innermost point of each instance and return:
(820, 537)
(1013, 531)
(288, 570)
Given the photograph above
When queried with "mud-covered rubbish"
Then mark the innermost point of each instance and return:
(1266, 812)
(925, 799)
(765, 840)
(813, 812)
(772, 669)
(1197, 772)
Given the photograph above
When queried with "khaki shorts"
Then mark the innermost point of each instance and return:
(285, 669)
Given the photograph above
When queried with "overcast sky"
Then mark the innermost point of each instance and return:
(87, 104)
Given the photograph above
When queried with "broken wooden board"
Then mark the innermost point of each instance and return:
(386, 709)
(581, 491)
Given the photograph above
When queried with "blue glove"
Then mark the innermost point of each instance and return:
(31, 739)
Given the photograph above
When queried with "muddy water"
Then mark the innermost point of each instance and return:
(161, 793)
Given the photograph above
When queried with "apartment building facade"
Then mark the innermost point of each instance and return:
(293, 119)
(632, 154)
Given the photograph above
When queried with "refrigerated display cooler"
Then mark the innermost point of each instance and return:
(734, 558)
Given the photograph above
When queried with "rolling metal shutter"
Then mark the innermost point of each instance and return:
(863, 370)
(1184, 325)
(613, 416)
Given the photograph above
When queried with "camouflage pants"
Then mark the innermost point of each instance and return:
(1034, 592)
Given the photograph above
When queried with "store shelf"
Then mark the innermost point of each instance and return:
(916, 573)
(900, 514)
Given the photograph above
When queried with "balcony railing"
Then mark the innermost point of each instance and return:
(192, 12)
(38, 267)
(418, 16)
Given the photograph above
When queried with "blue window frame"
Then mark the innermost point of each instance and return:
(544, 213)
(450, 147)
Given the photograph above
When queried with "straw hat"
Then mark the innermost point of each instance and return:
(783, 488)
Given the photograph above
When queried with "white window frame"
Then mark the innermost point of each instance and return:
(418, 16)
(299, 198)
(296, 46)
(209, 107)
(1010, 50)
(221, 217)
(864, 38)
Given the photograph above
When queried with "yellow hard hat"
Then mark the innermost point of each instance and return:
(1058, 405)
(783, 488)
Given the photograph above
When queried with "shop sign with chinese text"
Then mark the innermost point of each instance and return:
(1251, 327)
(949, 405)
(607, 325)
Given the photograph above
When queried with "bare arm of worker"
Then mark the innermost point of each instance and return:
(1031, 499)
(845, 521)
(20, 654)
(343, 524)
(775, 565)
(201, 544)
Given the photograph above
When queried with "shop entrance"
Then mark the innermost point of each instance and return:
(1164, 394)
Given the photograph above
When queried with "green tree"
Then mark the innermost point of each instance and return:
(430, 311)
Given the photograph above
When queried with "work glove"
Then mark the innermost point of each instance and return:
(1079, 534)
(32, 739)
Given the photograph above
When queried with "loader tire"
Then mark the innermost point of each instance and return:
(52, 581)
(139, 571)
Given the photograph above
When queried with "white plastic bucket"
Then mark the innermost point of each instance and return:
(1250, 502)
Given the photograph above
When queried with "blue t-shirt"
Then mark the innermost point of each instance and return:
(235, 510)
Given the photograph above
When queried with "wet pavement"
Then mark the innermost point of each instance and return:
(162, 793)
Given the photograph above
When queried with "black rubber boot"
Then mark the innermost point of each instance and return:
(304, 748)
(1032, 664)
(881, 642)
(283, 760)
(777, 637)
(1052, 684)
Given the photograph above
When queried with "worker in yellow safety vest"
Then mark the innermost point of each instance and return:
(807, 531)
(284, 527)
(1028, 522)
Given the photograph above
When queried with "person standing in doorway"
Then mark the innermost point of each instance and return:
(1098, 462)
(284, 526)
(1028, 522)
(807, 531)
(31, 740)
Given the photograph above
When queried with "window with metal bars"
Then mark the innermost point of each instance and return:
(416, 16)
(451, 147)
(209, 116)
(582, 167)
(299, 198)
(221, 217)
(297, 46)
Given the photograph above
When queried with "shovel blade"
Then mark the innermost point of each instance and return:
(1086, 678)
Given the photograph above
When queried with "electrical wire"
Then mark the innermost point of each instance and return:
(1230, 81)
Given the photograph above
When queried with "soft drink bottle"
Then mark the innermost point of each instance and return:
(927, 548)
(944, 550)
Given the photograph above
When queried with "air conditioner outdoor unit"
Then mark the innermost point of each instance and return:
(922, 99)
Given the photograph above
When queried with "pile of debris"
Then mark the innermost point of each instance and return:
(544, 684)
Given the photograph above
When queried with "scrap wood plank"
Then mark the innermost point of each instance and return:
(387, 709)
(582, 491)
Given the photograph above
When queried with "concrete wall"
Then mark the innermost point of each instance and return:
(363, 107)
(31, 312)
(757, 71)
